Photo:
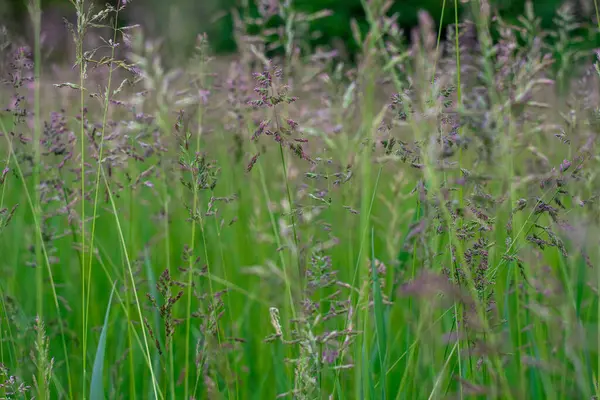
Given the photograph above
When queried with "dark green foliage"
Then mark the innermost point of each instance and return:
(215, 18)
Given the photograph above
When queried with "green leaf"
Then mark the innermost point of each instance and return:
(97, 388)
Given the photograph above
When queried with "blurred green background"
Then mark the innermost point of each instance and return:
(179, 21)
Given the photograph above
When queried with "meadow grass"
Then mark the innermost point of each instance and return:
(419, 223)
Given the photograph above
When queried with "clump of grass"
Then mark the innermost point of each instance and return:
(417, 224)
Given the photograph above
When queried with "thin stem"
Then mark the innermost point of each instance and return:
(100, 171)
(88, 289)
(40, 249)
(79, 5)
(292, 212)
(597, 383)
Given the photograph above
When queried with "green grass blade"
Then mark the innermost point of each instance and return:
(380, 324)
(96, 387)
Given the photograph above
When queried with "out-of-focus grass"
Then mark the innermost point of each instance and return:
(422, 269)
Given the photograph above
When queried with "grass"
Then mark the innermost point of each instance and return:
(418, 224)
